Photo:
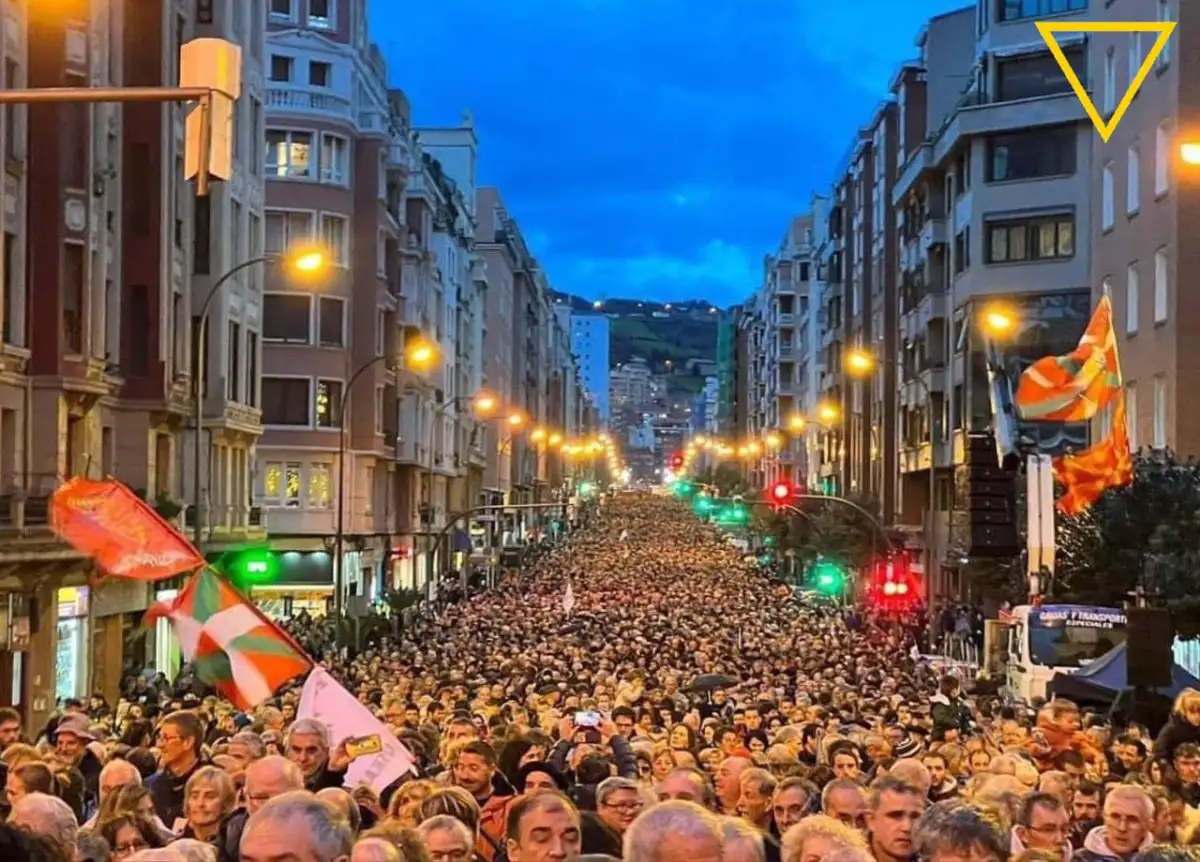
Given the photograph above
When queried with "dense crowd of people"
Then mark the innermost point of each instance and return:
(681, 708)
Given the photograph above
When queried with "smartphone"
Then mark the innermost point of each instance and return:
(362, 746)
(587, 719)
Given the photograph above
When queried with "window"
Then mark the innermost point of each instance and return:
(1014, 10)
(255, 132)
(287, 230)
(318, 487)
(379, 411)
(329, 403)
(1131, 414)
(1164, 15)
(285, 401)
(282, 9)
(335, 159)
(1106, 287)
(332, 324)
(1035, 75)
(10, 289)
(288, 154)
(1162, 158)
(1132, 298)
(369, 485)
(335, 236)
(287, 318)
(1160, 412)
(281, 485)
(381, 253)
(1033, 154)
(252, 369)
(1161, 285)
(233, 364)
(281, 68)
(1107, 208)
(201, 237)
(237, 236)
(1133, 181)
(319, 74)
(1136, 55)
(254, 233)
(1031, 239)
(72, 304)
(322, 13)
(1110, 81)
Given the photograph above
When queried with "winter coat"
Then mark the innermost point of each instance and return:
(1096, 849)
(1177, 731)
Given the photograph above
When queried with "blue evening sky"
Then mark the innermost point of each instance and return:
(652, 148)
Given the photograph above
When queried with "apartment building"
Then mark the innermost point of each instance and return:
(96, 359)
(992, 190)
(779, 330)
(590, 343)
(1140, 221)
(340, 155)
(499, 241)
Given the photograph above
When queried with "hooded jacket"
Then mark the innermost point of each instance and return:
(1177, 731)
(1096, 849)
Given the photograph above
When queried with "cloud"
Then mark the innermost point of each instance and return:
(658, 146)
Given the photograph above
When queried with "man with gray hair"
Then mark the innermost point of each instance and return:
(265, 779)
(675, 832)
(618, 803)
(307, 746)
(48, 817)
(115, 775)
(297, 826)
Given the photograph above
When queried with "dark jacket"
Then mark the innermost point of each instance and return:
(324, 779)
(1177, 731)
(166, 789)
(231, 835)
(597, 836)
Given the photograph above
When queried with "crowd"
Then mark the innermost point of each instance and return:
(681, 709)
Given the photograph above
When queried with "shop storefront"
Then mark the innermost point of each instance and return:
(71, 657)
(305, 585)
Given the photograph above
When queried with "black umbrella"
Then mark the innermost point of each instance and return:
(711, 681)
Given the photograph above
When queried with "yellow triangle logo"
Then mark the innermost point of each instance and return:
(1049, 31)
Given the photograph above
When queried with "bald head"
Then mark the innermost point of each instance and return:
(270, 777)
(376, 850)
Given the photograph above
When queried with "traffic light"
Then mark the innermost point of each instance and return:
(250, 567)
(893, 587)
(585, 488)
(676, 461)
(781, 492)
(703, 503)
(827, 577)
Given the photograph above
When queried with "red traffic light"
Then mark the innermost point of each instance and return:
(677, 461)
(781, 491)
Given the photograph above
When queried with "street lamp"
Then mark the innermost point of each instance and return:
(1189, 153)
(860, 363)
(828, 413)
(797, 422)
(999, 320)
(418, 358)
(301, 264)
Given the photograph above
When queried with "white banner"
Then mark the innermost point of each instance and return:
(568, 602)
(325, 700)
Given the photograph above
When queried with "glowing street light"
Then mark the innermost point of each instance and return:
(555, 439)
(828, 413)
(537, 435)
(421, 353)
(774, 441)
(485, 403)
(1189, 153)
(796, 422)
(999, 320)
(860, 362)
(515, 420)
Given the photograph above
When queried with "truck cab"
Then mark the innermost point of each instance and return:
(1039, 641)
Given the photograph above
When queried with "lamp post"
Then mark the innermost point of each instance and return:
(860, 363)
(309, 262)
(419, 353)
(484, 403)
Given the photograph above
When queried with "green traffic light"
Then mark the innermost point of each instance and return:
(585, 488)
(828, 578)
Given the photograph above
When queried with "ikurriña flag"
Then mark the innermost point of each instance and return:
(234, 647)
(1077, 386)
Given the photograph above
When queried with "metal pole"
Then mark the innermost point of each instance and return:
(339, 536)
(200, 324)
(51, 95)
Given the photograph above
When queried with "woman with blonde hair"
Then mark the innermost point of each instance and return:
(1183, 726)
(663, 759)
(404, 806)
(819, 836)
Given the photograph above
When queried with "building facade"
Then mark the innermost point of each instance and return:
(590, 343)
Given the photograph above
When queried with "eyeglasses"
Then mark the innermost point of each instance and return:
(624, 807)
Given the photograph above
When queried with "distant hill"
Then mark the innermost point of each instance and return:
(685, 330)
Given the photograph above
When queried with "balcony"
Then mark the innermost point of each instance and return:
(785, 318)
(933, 306)
(917, 164)
(974, 120)
(787, 350)
(933, 233)
(300, 100)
